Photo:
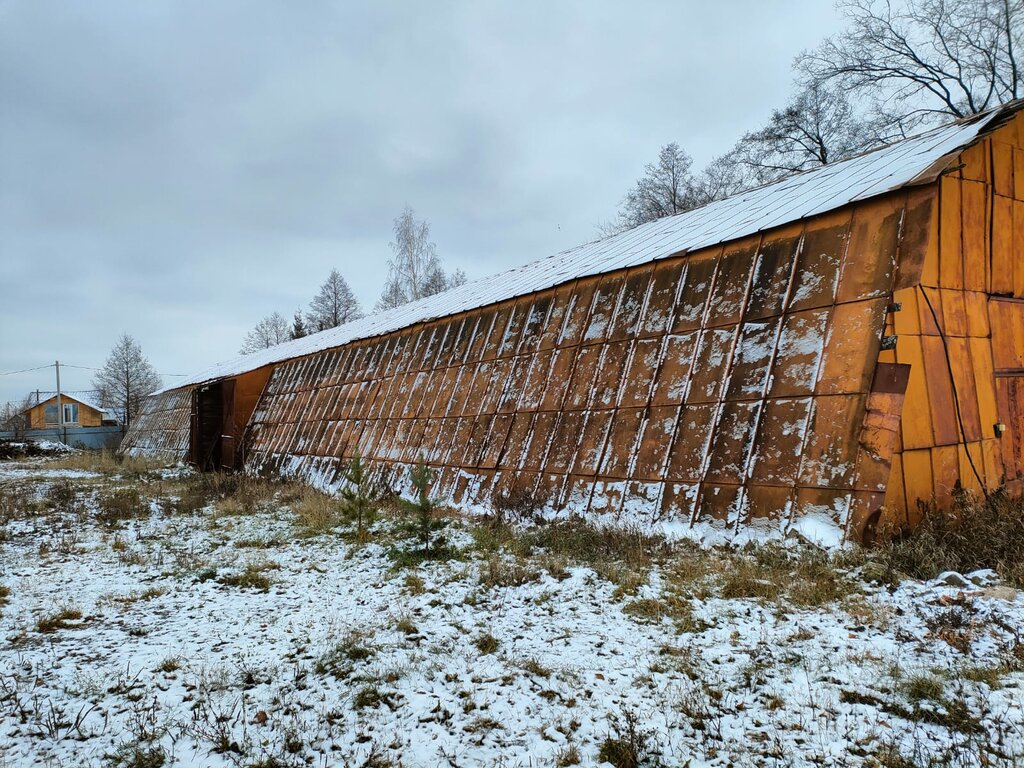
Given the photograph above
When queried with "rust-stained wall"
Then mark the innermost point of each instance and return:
(745, 385)
(161, 428)
(969, 355)
(727, 386)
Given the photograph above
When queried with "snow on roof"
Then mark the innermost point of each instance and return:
(914, 160)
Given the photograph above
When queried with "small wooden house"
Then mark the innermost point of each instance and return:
(802, 358)
(79, 411)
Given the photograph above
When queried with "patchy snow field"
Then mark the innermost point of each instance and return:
(226, 636)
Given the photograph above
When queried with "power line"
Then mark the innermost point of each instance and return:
(82, 367)
(26, 370)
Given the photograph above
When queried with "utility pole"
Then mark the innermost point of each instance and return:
(60, 407)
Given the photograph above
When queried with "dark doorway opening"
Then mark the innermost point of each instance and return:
(213, 439)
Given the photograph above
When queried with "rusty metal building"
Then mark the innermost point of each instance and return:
(803, 357)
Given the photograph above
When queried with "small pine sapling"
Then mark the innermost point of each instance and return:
(423, 506)
(357, 498)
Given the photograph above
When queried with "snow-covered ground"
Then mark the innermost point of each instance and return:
(126, 641)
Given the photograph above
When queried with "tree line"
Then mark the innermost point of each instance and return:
(415, 271)
(898, 66)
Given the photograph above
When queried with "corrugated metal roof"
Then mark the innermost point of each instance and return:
(914, 160)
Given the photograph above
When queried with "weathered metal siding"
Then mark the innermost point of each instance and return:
(967, 359)
(161, 429)
(728, 387)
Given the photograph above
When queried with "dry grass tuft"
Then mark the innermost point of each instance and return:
(60, 620)
(316, 512)
(972, 534)
(106, 462)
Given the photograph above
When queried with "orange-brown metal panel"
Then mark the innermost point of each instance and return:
(851, 347)
(940, 391)
(829, 453)
(1002, 245)
(714, 352)
(639, 376)
(780, 441)
(693, 297)
(817, 269)
(632, 301)
(752, 360)
(655, 442)
(870, 263)
(622, 442)
(974, 234)
(951, 274)
(729, 293)
(773, 271)
(798, 354)
(919, 241)
(665, 285)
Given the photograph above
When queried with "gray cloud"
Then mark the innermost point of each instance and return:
(177, 170)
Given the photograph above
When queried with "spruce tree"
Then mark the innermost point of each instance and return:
(357, 498)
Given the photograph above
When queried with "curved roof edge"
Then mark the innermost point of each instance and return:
(912, 161)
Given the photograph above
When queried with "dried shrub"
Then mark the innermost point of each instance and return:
(499, 571)
(15, 502)
(971, 534)
(61, 495)
(316, 511)
(627, 746)
(121, 504)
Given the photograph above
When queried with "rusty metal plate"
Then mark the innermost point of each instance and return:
(577, 313)
(773, 271)
(852, 344)
(622, 441)
(606, 299)
(665, 284)
(714, 353)
(631, 305)
(591, 443)
(752, 360)
(780, 441)
(829, 457)
(732, 446)
(580, 392)
(729, 293)
(609, 374)
(533, 327)
(658, 430)
(693, 296)
(689, 450)
(543, 432)
(644, 357)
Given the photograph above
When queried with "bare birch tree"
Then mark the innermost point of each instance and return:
(334, 304)
(665, 188)
(270, 331)
(125, 378)
(415, 270)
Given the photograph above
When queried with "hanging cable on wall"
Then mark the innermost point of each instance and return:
(956, 397)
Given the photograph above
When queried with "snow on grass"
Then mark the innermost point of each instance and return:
(233, 636)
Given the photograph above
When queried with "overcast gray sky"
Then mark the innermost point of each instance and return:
(178, 170)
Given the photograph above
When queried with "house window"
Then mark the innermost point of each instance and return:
(70, 413)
